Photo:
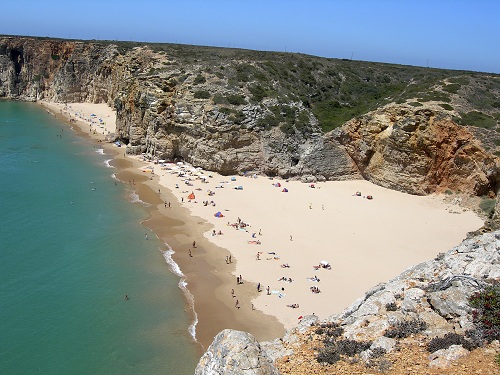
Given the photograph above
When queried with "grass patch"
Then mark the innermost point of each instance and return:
(479, 119)
(202, 94)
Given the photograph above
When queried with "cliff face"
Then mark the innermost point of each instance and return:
(418, 151)
(239, 112)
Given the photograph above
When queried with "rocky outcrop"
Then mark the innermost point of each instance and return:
(418, 151)
(434, 293)
(235, 352)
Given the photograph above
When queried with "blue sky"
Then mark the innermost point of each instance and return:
(453, 34)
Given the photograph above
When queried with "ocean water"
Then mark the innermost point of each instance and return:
(71, 248)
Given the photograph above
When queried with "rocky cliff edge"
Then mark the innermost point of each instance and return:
(427, 301)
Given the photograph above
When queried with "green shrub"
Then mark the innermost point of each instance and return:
(448, 340)
(486, 313)
(237, 117)
(334, 351)
(391, 306)
(268, 122)
(415, 104)
(478, 119)
(219, 99)
(406, 328)
(199, 79)
(452, 88)
(202, 94)
(488, 206)
(258, 93)
(225, 110)
(446, 106)
(236, 99)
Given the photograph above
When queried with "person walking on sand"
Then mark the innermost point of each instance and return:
(258, 287)
(194, 244)
(232, 293)
(237, 304)
(268, 292)
(191, 255)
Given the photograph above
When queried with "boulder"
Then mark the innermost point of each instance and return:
(444, 358)
(235, 353)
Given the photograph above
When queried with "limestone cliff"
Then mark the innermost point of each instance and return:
(235, 111)
(418, 151)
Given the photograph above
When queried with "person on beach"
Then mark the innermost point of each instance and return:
(232, 293)
(194, 244)
(258, 287)
(237, 280)
(237, 304)
(268, 292)
(241, 280)
(191, 255)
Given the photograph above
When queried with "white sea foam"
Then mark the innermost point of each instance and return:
(134, 198)
(174, 268)
(100, 151)
(106, 162)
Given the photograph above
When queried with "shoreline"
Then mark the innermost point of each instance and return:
(175, 227)
(364, 241)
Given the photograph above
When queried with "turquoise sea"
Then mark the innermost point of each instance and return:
(71, 247)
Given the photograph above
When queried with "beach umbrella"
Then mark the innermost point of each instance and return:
(324, 263)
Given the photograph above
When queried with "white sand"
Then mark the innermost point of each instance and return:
(365, 241)
(98, 119)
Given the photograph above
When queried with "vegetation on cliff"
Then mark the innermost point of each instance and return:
(234, 110)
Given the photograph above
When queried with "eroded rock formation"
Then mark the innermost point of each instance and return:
(418, 151)
(235, 352)
(169, 106)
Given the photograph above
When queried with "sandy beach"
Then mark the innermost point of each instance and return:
(312, 248)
